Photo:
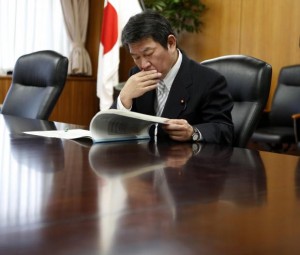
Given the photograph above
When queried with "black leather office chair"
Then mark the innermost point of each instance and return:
(37, 82)
(249, 81)
(275, 131)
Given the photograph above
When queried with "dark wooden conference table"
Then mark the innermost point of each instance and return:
(73, 197)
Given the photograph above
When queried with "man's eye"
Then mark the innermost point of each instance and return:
(148, 54)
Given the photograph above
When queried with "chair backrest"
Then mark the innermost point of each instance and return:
(286, 99)
(37, 82)
(249, 81)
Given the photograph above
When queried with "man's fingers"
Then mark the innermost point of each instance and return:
(176, 124)
(149, 75)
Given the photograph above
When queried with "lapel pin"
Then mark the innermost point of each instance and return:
(183, 103)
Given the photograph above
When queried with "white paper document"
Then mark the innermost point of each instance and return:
(109, 125)
(64, 134)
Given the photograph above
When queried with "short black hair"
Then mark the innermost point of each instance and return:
(147, 24)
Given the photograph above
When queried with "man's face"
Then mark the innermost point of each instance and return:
(150, 55)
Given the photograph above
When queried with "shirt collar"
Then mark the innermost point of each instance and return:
(168, 80)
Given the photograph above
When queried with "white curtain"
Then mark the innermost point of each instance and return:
(30, 25)
(76, 19)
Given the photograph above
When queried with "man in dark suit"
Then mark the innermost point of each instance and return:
(194, 98)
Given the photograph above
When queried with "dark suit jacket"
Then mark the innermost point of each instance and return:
(199, 95)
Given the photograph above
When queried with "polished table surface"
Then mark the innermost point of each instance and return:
(73, 197)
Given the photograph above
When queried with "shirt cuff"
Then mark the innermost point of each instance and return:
(201, 137)
(120, 106)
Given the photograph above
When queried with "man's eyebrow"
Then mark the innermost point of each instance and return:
(145, 50)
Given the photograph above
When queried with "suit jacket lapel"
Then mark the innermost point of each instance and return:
(179, 96)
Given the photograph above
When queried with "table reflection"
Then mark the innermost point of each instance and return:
(115, 196)
(15, 126)
(214, 171)
(297, 180)
(141, 197)
(26, 172)
(246, 184)
(167, 177)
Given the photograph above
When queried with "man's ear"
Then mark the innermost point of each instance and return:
(172, 42)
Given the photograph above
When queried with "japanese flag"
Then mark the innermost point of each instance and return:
(115, 15)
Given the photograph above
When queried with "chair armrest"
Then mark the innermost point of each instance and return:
(296, 123)
(296, 116)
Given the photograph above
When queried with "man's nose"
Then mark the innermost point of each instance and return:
(144, 63)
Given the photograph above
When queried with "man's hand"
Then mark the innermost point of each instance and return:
(178, 129)
(137, 85)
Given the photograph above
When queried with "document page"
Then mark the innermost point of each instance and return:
(115, 125)
(64, 134)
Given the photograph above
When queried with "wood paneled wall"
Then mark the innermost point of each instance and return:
(78, 102)
(4, 86)
(265, 29)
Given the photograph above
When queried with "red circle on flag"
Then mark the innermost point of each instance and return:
(109, 34)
